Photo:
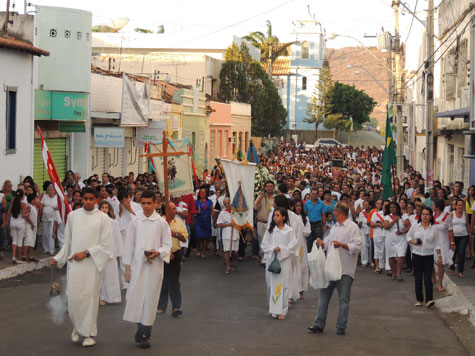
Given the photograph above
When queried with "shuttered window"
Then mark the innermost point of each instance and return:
(58, 150)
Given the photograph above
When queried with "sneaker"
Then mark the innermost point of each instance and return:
(88, 342)
(430, 304)
(75, 336)
(418, 304)
(315, 329)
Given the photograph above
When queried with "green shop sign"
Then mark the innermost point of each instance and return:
(60, 105)
(72, 126)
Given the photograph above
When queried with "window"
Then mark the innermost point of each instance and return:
(11, 120)
(305, 50)
(304, 83)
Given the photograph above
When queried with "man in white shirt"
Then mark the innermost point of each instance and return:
(346, 238)
(77, 180)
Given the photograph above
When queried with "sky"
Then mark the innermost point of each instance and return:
(207, 18)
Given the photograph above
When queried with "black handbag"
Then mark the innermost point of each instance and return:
(274, 267)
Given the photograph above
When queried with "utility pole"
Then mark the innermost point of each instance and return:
(429, 74)
(397, 95)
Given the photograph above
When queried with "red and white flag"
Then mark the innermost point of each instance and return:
(63, 206)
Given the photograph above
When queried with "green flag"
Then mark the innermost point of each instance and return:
(388, 160)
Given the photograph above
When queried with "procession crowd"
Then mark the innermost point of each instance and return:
(328, 197)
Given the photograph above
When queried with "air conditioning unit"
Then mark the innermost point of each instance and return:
(231, 139)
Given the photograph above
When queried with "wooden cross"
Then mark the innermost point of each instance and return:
(165, 154)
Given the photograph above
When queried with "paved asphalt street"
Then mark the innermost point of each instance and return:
(227, 315)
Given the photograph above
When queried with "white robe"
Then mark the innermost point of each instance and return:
(85, 230)
(303, 258)
(278, 285)
(145, 234)
(110, 290)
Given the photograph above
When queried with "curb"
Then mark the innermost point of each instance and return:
(17, 270)
(455, 290)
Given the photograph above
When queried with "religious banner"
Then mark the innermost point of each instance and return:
(136, 106)
(240, 178)
(180, 181)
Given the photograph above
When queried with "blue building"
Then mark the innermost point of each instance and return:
(296, 75)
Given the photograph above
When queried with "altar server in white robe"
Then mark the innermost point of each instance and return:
(296, 223)
(302, 255)
(148, 246)
(110, 290)
(279, 241)
(126, 213)
(87, 251)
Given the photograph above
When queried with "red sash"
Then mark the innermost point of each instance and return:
(443, 219)
(380, 218)
(365, 215)
(392, 217)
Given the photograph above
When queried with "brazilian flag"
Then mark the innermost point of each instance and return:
(389, 159)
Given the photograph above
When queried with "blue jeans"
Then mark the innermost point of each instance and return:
(343, 287)
(461, 243)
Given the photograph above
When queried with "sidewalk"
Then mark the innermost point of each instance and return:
(9, 270)
(462, 291)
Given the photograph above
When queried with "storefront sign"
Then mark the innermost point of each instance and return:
(60, 105)
(153, 133)
(72, 126)
(109, 137)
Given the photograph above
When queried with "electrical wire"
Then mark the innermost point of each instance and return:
(409, 84)
(412, 21)
(235, 24)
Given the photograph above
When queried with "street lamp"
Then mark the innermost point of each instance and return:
(333, 35)
(350, 66)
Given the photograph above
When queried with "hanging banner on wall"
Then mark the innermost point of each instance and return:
(153, 133)
(179, 169)
(136, 107)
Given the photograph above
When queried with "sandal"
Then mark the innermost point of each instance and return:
(233, 269)
(452, 272)
(281, 317)
(102, 303)
(378, 271)
(400, 279)
(227, 271)
(461, 275)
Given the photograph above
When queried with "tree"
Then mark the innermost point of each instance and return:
(270, 46)
(316, 106)
(346, 106)
(243, 80)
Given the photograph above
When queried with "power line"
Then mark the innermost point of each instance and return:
(412, 21)
(235, 24)
(409, 84)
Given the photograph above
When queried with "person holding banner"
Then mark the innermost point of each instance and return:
(49, 208)
(229, 235)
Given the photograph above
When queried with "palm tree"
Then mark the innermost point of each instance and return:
(269, 45)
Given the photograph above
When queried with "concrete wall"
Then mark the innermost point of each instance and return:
(106, 93)
(451, 166)
(17, 72)
(196, 70)
(308, 136)
(66, 34)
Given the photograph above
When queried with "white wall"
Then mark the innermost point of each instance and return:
(19, 65)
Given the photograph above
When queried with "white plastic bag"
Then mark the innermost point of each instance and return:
(333, 264)
(316, 264)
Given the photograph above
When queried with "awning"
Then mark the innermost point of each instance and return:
(462, 112)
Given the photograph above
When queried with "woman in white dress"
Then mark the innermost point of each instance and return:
(228, 233)
(396, 226)
(49, 206)
(379, 236)
(445, 237)
(110, 289)
(279, 242)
